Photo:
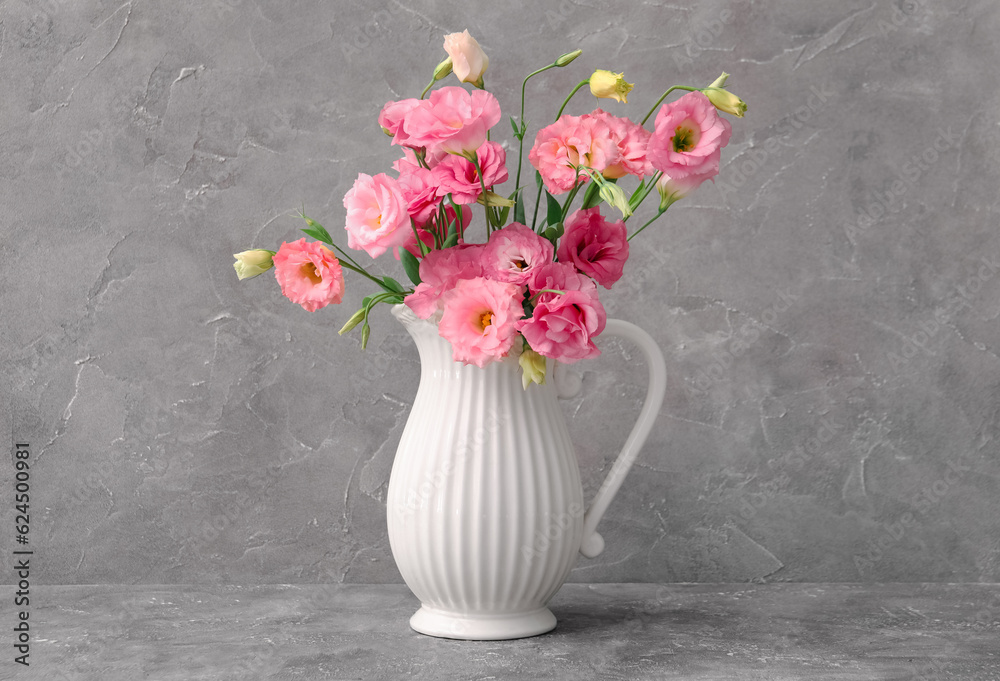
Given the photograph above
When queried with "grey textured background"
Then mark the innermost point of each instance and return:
(834, 380)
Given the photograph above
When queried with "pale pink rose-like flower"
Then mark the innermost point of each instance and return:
(480, 319)
(452, 120)
(632, 140)
(377, 215)
(468, 61)
(564, 326)
(440, 271)
(309, 274)
(569, 143)
(456, 175)
(595, 246)
(513, 253)
(392, 115)
(688, 137)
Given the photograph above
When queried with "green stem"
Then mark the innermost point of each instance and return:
(361, 271)
(538, 201)
(441, 233)
(482, 184)
(545, 290)
(575, 90)
(459, 227)
(645, 192)
(354, 266)
(651, 220)
(572, 195)
(420, 243)
(664, 96)
(520, 121)
(429, 86)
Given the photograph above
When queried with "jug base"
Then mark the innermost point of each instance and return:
(482, 626)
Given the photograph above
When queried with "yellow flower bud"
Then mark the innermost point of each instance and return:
(251, 263)
(720, 81)
(614, 196)
(532, 368)
(494, 199)
(608, 85)
(724, 100)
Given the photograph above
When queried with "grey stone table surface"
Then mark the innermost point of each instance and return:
(605, 631)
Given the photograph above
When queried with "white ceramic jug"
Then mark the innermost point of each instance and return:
(485, 506)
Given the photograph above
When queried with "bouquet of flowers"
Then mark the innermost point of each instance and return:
(527, 290)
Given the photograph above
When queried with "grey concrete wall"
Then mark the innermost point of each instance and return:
(834, 379)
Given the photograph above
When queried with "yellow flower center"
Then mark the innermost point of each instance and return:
(686, 136)
(520, 264)
(308, 270)
(485, 319)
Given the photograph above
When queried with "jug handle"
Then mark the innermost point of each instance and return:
(593, 542)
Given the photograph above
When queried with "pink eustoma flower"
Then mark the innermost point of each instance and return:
(309, 274)
(480, 319)
(688, 137)
(595, 246)
(632, 140)
(568, 144)
(456, 175)
(563, 326)
(513, 253)
(419, 187)
(392, 115)
(440, 271)
(558, 276)
(452, 120)
(377, 215)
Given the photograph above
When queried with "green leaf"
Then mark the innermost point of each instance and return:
(519, 210)
(518, 197)
(367, 301)
(390, 284)
(637, 196)
(316, 230)
(450, 241)
(319, 234)
(554, 210)
(453, 224)
(591, 197)
(410, 265)
(538, 179)
(517, 132)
